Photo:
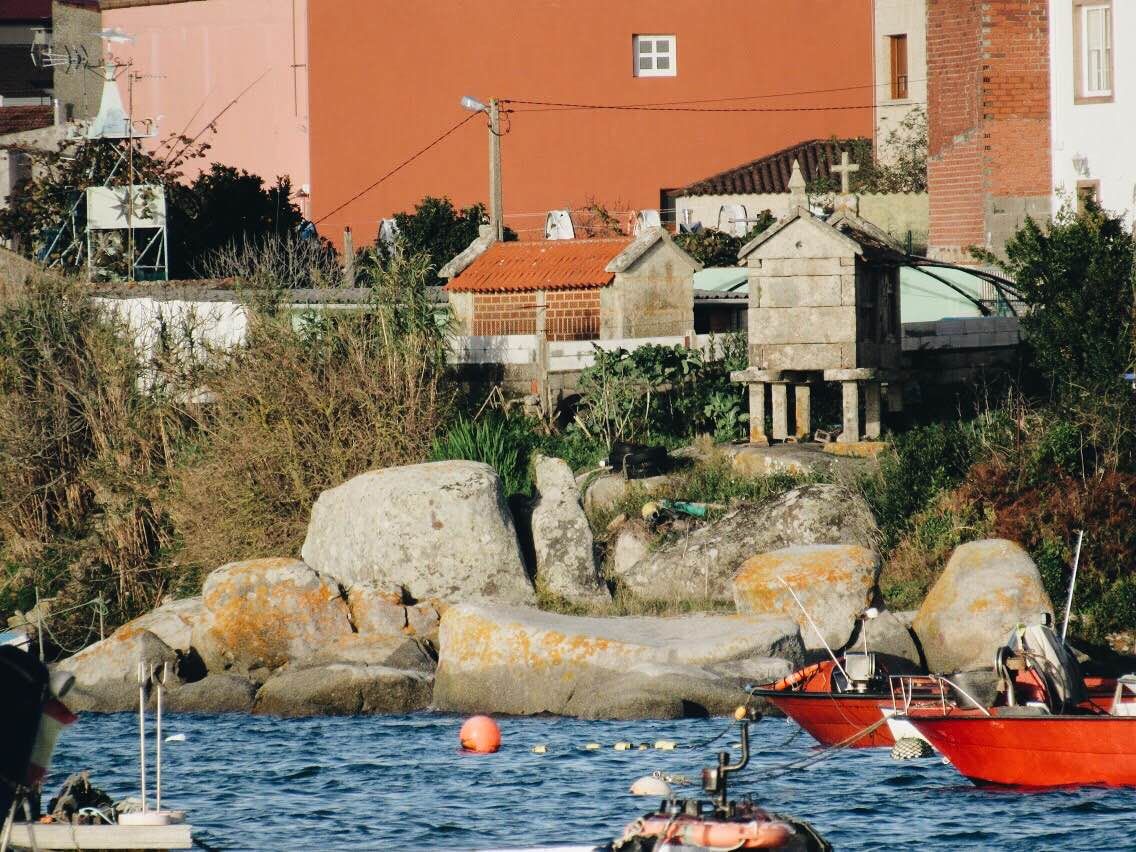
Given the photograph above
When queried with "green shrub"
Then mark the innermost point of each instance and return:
(494, 440)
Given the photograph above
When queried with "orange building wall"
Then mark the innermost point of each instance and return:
(386, 78)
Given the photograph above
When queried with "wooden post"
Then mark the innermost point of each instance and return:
(348, 258)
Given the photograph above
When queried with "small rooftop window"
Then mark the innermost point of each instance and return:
(654, 56)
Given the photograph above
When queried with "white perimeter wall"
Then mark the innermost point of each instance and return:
(1103, 133)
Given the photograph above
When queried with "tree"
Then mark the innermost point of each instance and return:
(1076, 276)
(435, 229)
(711, 247)
(47, 213)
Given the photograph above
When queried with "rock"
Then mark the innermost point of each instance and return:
(632, 544)
(701, 565)
(422, 621)
(172, 622)
(835, 583)
(343, 689)
(562, 539)
(889, 634)
(524, 661)
(608, 490)
(754, 671)
(396, 652)
(106, 673)
(793, 459)
(263, 613)
(375, 612)
(438, 530)
(216, 693)
(987, 588)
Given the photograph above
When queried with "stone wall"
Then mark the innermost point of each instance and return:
(654, 298)
(75, 26)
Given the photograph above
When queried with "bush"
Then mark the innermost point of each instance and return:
(85, 456)
(305, 405)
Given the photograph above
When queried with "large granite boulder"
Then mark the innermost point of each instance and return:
(608, 490)
(172, 622)
(344, 689)
(627, 546)
(834, 582)
(987, 588)
(215, 693)
(562, 539)
(523, 661)
(376, 613)
(261, 614)
(701, 565)
(889, 634)
(106, 673)
(438, 530)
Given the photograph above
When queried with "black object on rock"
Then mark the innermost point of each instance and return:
(638, 461)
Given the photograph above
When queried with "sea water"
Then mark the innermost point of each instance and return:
(401, 782)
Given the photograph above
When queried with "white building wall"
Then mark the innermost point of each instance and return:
(899, 17)
(1102, 135)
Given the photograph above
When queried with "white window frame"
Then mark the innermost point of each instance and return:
(1087, 89)
(652, 41)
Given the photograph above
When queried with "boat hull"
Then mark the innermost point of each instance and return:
(834, 718)
(1036, 751)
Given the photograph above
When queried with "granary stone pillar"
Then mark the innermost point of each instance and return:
(780, 410)
(804, 411)
(757, 413)
(895, 397)
(850, 398)
(872, 424)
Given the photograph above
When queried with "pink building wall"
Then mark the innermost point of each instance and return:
(195, 59)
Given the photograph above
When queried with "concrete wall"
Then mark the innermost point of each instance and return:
(197, 58)
(1102, 133)
(76, 26)
(387, 76)
(898, 214)
(899, 17)
(655, 297)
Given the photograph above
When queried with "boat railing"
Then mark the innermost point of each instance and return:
(925, 691)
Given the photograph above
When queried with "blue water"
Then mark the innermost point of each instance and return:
(400, 782)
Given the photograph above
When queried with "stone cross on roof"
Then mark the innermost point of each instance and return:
(845, 170)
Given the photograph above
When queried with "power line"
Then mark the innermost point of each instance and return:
(399, 167)
(735, 98)
(544, 106)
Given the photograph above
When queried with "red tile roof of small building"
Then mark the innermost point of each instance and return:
(541, 265)
(25, 10)
(771, 173)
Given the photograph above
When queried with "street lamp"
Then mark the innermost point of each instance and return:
(496, 216)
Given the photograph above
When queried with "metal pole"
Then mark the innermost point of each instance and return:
(496, 214)
(130, 169)
(158, 740)
(820, 635)
(1072, 585)
(142, 728)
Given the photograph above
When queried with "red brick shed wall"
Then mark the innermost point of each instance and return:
(570, 314)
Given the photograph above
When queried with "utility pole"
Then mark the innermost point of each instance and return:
(496, 214)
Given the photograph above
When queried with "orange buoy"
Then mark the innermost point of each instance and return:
(480, 734)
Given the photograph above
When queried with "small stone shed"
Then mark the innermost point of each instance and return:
(823, 306)
(574, 289)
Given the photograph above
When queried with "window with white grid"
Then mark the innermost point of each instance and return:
(1093, 30)
(654, 56)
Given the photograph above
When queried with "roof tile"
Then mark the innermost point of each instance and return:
(770, 174)
(541, 265)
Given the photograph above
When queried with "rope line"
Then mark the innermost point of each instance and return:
(542, 105)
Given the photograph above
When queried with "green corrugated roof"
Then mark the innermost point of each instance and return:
(723, 279)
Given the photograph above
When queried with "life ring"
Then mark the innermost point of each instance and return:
(791, 681)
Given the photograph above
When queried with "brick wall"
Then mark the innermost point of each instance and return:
(569, 314)
(17, 119)
(988, 109)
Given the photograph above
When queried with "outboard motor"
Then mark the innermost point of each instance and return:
(863, 675)
(24, 685)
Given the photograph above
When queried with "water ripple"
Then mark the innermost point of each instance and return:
(399, 782)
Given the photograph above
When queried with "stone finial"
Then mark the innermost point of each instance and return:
(797, 195)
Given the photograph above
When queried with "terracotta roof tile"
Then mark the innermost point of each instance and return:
(770, 174)
(17, 119)
(541, 265)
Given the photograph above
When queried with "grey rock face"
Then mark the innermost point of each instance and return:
(215, 693)
(630, 545)
(173, 622)
(562, 539)
(343, 689)
(524, 661)
(438, 530)
(987, 589)
(702, 565)
(106, 673)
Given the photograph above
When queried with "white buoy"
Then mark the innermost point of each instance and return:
(649, 785)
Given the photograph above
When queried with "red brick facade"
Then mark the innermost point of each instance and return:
(17, 119)
(988, 110)
(570, 314)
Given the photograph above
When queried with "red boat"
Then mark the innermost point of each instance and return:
(846, 705)
(1027, 747)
